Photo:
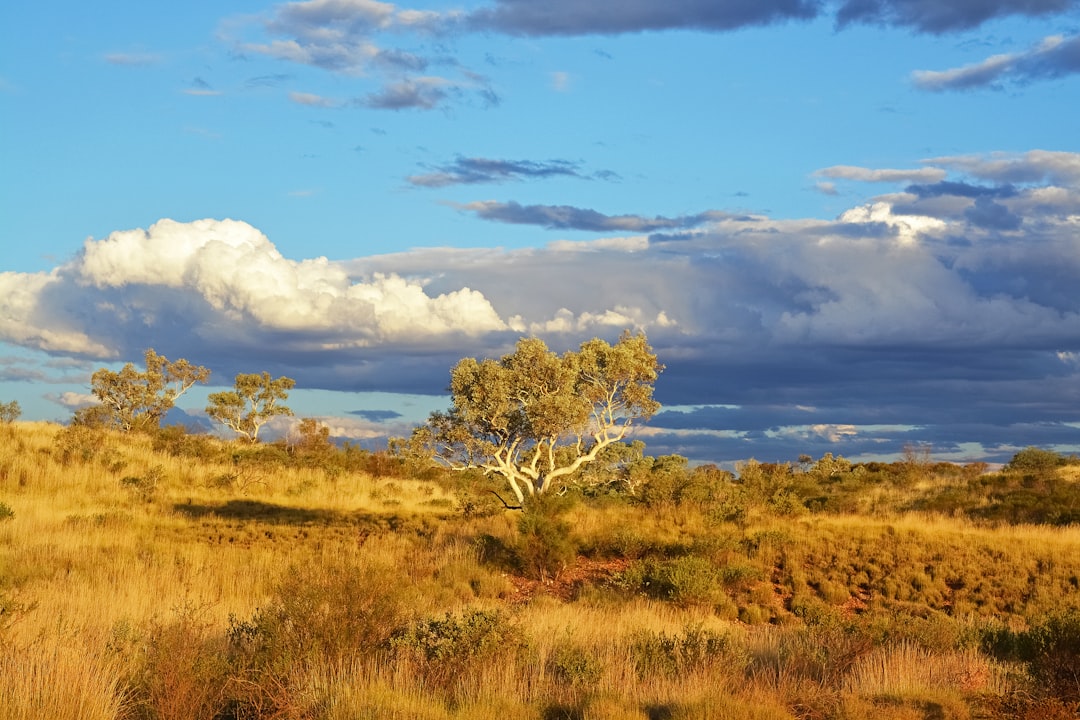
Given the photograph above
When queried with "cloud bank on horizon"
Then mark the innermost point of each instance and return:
(948, 304)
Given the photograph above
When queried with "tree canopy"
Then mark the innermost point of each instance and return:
(252, 403)
(130, 399)
(535, 418)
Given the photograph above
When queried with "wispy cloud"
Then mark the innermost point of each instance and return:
(566, 217)
(861, 174)
(1056, 56)
(313, 100)
(474, 170)
(200, 87)
(132, 59)
(425, 93)
(376, 41)
(931, 16)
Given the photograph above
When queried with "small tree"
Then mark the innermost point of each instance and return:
(252, 404)
(535, 418)
(10, 412)
(131, 400)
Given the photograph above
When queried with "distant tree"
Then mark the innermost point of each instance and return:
(251, 404)
(10, 412)
(310, 437)
(131, 400)
(1035, 459)
(536, 418)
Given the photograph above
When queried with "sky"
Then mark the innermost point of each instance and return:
(847, 227)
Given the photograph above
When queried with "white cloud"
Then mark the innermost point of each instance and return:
(1033, 166)
(908, 227)
(861, 174)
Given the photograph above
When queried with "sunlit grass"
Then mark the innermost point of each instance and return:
(127, 575)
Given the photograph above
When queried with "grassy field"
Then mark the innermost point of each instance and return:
(168, 577)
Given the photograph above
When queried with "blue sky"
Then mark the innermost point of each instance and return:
(845, 226)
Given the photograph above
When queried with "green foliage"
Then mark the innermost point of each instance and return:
(1033, 459)
(536, 418)
(328, 610)
(133, 400)
(145, 486)
(686, 580)
(657, 655)
(10, 412)
(78, 443)
(252, 403)
(6, 513)
(1013, 496)
(545, 544)
(1051, 650)
(574, 665)
(446, 650)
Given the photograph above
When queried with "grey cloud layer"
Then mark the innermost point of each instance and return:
(919, 316)
(1055, 57)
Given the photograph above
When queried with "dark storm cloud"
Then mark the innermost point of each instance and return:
(1055, 57)
(471, 171)
(567, 217)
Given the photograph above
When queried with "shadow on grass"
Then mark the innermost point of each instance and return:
(272, 514)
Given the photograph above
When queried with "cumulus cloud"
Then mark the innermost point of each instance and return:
(1056, 56)
(474, 170)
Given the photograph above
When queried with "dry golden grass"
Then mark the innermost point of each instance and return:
(125, 569)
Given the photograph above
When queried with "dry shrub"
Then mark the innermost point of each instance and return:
(909, 668)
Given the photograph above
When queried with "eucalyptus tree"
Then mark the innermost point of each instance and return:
(130, 399)
(253, 402)
(536, 418)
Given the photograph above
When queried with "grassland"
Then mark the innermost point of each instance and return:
(167, 577)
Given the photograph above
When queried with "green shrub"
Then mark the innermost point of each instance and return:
(325, 610)
(447, 650)
(1033, 459)
(657, 655)
(545, 543)
(10, 412)
(6, 513)
(1051, 650)
(145, 486)
(687, 580)
(574, 666)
